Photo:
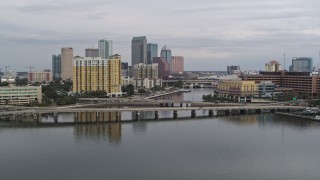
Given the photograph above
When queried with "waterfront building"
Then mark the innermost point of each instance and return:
(302, 64)
(92, 52)
(163, 67)
(141, 71)
(301, 82)
(66, 63)
(40, 76)
(56, 66)
(177, 64)
(152, 51)
(20, 95)
(90, 74)
(167, 55)
(272, 66)
(239, 90)
(105, 47)
(114, 76)
(138, 50)
(97, 74)
(146, 83)
(266, 89)
(233, 69)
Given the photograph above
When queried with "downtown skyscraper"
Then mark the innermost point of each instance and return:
(167, 55)
(138, 50)
(105, 48)
(66, 63)
(152, 51)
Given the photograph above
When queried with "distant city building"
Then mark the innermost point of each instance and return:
(92, 52)
(146, 83)
(56, 66)
(66, 63)
(266, 89)
(233, 69)
(302, 64)
(152, 51)
(167, 55)
(124, 69)
(177, 64)
(138, 50)
(22, 75)
(40, 76)
(272, 66)
(105, 47)
(141, 71)
(9, 76)
(20, 95)
(163, 67)
(97, 74)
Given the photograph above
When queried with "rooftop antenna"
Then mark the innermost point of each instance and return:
(284, 61)
(30, 68)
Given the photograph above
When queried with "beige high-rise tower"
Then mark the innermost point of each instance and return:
(114, 75)
(66, 63)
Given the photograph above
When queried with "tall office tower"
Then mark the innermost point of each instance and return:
(114, 75)
(141, 71)
(302, 64)
(177, 64)
(92, 52)
(233, 69)
(90, 74)
(56, 66)
(163, 67)
(124, 69)
(66, 63)
(105, 48)
(166, 53)
(139, 50)
(272, 66)
(152, 51)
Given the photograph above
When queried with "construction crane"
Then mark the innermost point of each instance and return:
(6, 69)
(30, 68)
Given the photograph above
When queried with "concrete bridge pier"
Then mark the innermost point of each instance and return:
(36, 118)
(244, 111)
(55, 118)
(210, 113)
(272, 110)
(258, 111)
(137, 116)
(156, 115)
(118, 119)
(193, 114)
(175, 114)
(97, 117)
(228, 112)
(75, 117)
(181, 104)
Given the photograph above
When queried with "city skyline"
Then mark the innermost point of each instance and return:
(247, 33)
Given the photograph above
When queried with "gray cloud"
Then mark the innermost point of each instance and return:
(215, 33)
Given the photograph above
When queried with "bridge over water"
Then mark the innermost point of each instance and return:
(99, 114)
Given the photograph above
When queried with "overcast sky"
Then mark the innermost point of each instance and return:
(210, 34)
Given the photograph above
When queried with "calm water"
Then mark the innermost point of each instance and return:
(262, 146)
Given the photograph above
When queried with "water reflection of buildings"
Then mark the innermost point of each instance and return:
(89, 117)
(242, 120)
(99, 132)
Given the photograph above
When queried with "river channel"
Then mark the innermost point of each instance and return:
(264, 146)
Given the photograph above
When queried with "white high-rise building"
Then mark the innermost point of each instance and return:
(105, 48)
